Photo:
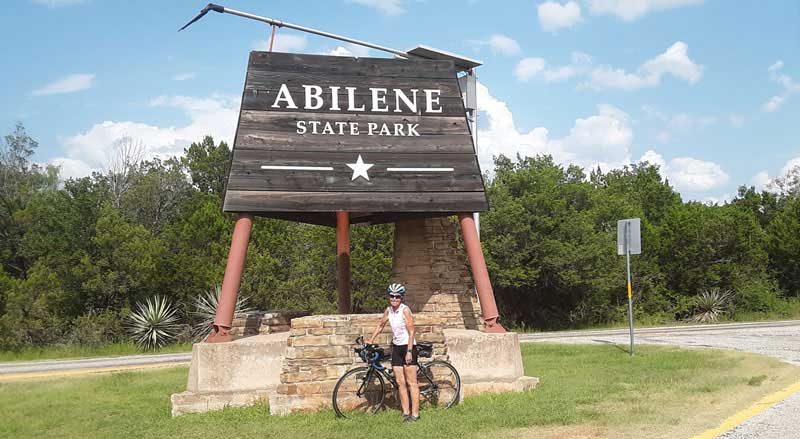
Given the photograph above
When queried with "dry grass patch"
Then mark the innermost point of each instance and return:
(681, 397)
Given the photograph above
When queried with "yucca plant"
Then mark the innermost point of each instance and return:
(205, 308)
(154, 323)
(710, 305)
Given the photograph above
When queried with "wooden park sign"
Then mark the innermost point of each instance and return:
(383, 139)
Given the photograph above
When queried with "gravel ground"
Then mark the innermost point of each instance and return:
(781, 421)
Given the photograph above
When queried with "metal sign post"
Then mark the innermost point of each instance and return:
(629, 242)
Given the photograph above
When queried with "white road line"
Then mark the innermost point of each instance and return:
(298, 168)
(419, 169)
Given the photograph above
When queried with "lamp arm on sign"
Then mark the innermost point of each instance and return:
(279, 23)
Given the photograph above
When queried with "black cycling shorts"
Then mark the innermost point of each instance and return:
(399, 355)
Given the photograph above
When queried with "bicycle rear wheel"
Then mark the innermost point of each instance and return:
(439, 384)
(359, 391)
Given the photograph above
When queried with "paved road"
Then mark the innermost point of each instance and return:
(44, 368)
(776, 339)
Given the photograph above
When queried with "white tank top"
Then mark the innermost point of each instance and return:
(398, 322)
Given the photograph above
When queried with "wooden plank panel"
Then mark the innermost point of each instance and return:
(269, 201)
(246, 172)
(356, 219)
(348, 66)
(287, 121)
(260, 80)
(262, 100)
(249, 138)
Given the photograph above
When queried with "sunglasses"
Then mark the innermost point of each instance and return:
(395, 296)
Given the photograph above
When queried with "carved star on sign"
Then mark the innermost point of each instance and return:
(359, 168)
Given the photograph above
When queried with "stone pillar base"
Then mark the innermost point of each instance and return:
(190, 402)
(487, 362)
(238, 373)
(520, 384)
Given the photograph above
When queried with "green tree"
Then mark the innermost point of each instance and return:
(157, 190)
(784, 246)
(548, 262)
(207, 164)
(20, 180)
(704, 247)
(124, 266)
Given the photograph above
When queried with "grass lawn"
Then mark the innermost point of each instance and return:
(77, 351)
(585, 391)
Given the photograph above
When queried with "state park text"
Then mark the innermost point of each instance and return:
(419, 101)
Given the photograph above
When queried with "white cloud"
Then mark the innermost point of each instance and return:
(284, 42)
(528, 68)
(789, 166)
(504, 45)
(686, 122)
(719, 200)
(764, 182)
(630, 10)
(687, 174)
(72, 168)
(215, 115)
(654, 113)
(388, 7)
(68, 84)
(774, 103)
(184, 76)
(681, 123)
(602, 140)
(57, 3)
(349, 49)
(674, 61)
(789, 87)
(554, 16)
(498, 43)
(761, 181)
(696, 175)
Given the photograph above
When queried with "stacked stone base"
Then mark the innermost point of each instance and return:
(263, 322)
(435, 271)
(297, 371)
(320, 350)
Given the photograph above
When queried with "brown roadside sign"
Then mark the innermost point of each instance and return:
(383, 139)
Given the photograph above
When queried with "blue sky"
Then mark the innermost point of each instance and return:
(709, 90)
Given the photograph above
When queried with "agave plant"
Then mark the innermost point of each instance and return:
(711, 304)
(205, 308)
(154, 323)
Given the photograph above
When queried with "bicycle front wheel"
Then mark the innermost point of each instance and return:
(359, 391)
(439, 384)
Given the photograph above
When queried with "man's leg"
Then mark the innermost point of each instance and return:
(402, 390)
(413, 388)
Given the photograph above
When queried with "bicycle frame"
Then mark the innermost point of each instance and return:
(376, 367)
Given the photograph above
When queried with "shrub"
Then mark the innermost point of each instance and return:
(97, 328)
(710, 305)
(205, 308)
(154, 323)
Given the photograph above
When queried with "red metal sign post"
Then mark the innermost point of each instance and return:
(223, 319)
(343, 261)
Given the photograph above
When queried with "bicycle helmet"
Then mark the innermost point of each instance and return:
(396, 289)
